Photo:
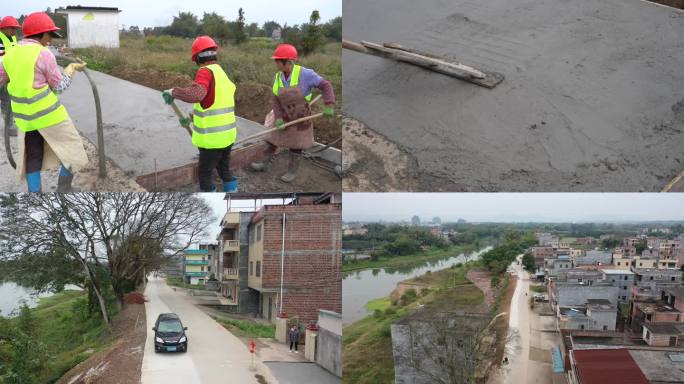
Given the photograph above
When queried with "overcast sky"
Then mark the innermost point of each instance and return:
(150, 13)
(514, 207)
(220, 206)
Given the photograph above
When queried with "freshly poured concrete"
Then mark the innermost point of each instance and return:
(593, 96)
(139, 128)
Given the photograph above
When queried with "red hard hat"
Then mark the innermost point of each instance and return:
(202, 43)
(285, 52)
(37, 23)
(9, 22)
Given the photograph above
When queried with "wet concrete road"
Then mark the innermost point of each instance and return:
(593, 96)
(214, 354)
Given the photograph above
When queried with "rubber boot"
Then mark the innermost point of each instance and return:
(33, 181)
(231, 186)
(262, 165)
(64, 181)
(292, 167)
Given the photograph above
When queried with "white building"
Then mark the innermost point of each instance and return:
(92, 26)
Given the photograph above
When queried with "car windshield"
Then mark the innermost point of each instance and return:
(170, 326)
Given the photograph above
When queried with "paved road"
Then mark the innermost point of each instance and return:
(298, 373)
(528, 348)
(214, 354)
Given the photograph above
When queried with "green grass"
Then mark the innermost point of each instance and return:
(407, 260)
(379, 304)
(69, 337)
(246, 328)
(247, 63)
(176, 282)
(538, 288)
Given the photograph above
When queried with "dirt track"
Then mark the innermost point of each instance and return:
(591, 99)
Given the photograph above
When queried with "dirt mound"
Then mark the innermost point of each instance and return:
(253, 101)
(159, 80)
(134, 298)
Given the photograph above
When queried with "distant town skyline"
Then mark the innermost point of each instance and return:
(514, 207)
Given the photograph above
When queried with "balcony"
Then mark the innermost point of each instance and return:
(196, 262)
(231, 246)
(231, 220)
(230, 273)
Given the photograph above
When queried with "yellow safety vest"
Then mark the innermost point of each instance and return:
(33, 109)
(216, 127)
(294, 81)
(7, 43)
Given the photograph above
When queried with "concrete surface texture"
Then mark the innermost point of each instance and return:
(139, 128)
(214, 354)
(593, 96)
(298, 373)
(529, 339)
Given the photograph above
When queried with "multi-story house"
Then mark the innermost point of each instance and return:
(295, 257)
(196, 267)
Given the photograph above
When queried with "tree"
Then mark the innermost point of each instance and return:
(313, 34)
(333, 29)
(239, 35)
(113, 238)
(184, 25)
(253, 30)
(441, 347)
(528, 263)
(215, 26)
(26, 352)
(640, 247)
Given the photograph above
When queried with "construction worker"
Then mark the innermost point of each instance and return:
(8, 34)
(214, 127)
(47, 136)
(8, 40)
(291, 96)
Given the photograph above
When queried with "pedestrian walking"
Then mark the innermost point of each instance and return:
(294, 338)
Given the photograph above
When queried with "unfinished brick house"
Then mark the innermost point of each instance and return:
(309, 244)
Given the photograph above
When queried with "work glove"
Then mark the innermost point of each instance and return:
(280, 125)
(168, 98)
(185, 122)
(329, 112)
(73, 67)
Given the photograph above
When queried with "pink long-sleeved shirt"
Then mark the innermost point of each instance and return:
(47, 71)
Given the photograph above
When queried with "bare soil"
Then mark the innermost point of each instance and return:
(121, 362)
(671, 3)
(501, 325)
(482, 280)
(252, 101)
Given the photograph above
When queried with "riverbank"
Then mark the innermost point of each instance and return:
(412, 260)
(371, 336)
(62, 341)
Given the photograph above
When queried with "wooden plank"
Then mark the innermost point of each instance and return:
(431, 62)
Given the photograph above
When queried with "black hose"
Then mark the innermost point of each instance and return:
(102, 164)
(7, 111)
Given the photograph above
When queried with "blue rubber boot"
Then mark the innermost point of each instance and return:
(231, 186)
(213, 188)
(33, 181)
(65, 180)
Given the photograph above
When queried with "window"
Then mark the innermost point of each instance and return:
(252, 235)
(625, 277)
(258, 234)
(582, 326)
(673, 278)
(251, 268)
(624, 297)
(202, 267)
(605, 327)
(209, 268)
(258, 269)
(650, 277)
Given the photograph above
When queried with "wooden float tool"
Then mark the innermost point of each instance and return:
(428, 61)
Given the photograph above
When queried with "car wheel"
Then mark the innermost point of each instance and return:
(185, 349)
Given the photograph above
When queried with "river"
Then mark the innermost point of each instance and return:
(360, 287)
(12, 296)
